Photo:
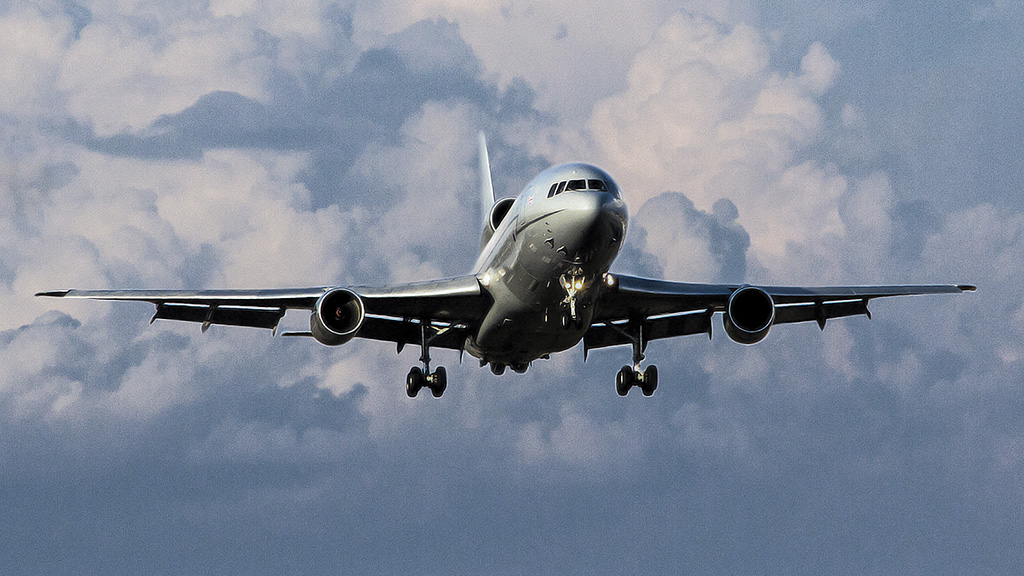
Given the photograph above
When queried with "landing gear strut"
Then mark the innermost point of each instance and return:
(420, 378)
(646, 380)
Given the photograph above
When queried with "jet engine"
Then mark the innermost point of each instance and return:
(495, 217)
(749, 315)
(337, 317)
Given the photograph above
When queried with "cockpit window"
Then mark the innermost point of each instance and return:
(566, 185)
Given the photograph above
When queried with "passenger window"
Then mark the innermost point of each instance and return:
(577, 185)
(551, 192)
(561, 187)
(597, 185)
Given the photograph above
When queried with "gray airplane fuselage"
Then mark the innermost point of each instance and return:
(544, 262)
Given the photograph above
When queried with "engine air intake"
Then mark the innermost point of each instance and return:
(337, 318)
(749, 315)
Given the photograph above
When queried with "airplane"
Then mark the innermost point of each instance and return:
(541, 284)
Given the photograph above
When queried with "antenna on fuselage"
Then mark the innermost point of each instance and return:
(486, 190)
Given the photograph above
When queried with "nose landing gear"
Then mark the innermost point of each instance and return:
(573, 282)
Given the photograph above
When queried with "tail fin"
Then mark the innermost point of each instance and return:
(486, 190)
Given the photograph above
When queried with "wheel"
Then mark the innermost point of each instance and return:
(414, 381)
(497, 368)
(519, 368)
(650, 380)
(566, 321)
(440, 382)
(624, 381)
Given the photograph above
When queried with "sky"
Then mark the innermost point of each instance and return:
(248, 143)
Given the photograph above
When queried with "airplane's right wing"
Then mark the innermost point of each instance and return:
(397, 313)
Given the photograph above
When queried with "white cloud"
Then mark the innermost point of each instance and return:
(571, 53)
(135, 62)
(32, 47)
(705, 113)
(433, 172)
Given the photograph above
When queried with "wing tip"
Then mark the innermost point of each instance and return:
(54, 293)
(967, 287)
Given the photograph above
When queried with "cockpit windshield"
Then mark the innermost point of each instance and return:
(569, 185)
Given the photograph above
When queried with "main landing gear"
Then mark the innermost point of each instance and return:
(420, 378)
(646, 380)
(628, 377)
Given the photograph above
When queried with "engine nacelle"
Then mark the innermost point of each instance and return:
(749, 315)
(337, 317)
(495, 218)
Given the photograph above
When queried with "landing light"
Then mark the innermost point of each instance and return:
(579, 285)
(609, 279)
(486, 279)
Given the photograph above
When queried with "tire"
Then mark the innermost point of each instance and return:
(650, 380)
(440, 382)
(414, 381)
(624, 381)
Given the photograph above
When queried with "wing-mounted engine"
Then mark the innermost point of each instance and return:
(337, 317)
(749, 315)
(495, 217)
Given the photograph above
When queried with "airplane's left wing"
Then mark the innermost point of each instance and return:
(392, 313)
(631, 308)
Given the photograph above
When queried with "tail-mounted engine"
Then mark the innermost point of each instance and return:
(749, 315)
(337, 317)
(495, 218)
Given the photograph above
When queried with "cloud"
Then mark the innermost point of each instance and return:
(692, 244)
(706, 112)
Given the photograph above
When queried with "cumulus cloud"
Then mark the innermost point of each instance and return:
(692, 244)
(706, 111)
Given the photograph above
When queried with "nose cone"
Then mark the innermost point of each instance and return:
(609, 214)
(598, 224)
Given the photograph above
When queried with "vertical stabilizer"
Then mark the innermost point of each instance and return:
(486, 190)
